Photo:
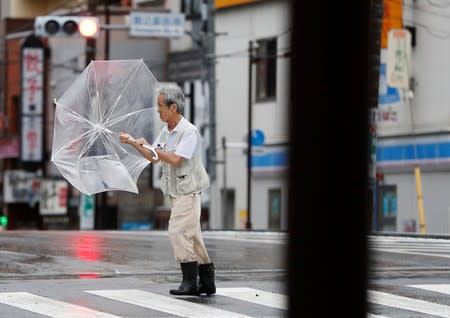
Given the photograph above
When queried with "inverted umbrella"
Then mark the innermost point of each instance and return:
(109, 97)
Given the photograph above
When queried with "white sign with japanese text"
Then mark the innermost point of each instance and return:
(53, 197)
(31, 147)
(399, 58)
(32, 81)
(151, 24)
(20, 186)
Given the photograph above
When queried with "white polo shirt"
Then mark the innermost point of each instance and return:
(188, 145)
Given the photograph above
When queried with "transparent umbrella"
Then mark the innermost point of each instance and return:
(109, 97)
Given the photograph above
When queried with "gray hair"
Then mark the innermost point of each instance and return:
(173, 95)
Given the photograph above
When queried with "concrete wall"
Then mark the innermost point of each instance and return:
(436, 200)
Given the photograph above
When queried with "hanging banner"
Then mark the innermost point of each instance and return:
(32, 101)
(398, 58)
(32, 81)
(32, 129)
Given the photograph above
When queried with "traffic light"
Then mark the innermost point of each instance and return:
(3, 221)
(66, 26)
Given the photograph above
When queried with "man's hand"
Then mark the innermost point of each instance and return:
(126, 138)
(141, 141)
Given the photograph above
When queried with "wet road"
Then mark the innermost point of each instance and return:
(409, 277)
(106, 253)
(91, 274)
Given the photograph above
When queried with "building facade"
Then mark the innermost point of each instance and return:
(413, 127)
(253, 40)
(251, 93)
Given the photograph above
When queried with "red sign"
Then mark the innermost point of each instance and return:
(9, 147)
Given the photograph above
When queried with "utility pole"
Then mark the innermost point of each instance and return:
(248, 224)
(211, 71)
(90, 41)
(107, 21)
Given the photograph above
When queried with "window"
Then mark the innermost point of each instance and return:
(266, 69)
(274, 209)
(192, 9)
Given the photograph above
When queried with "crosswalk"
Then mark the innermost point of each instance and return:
(411, 245)
(158, 304)
(389, 305)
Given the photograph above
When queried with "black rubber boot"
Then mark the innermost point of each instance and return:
(189, 283)
(206, 282)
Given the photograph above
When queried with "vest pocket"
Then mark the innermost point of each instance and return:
(185, 183)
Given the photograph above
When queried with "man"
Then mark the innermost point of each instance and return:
(184, 177)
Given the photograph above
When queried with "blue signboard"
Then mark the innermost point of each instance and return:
(386, 94)
(258, 138)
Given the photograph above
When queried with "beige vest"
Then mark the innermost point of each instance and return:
(191, 175)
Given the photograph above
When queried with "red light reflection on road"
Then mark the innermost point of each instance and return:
(87, 247)
(88, 275)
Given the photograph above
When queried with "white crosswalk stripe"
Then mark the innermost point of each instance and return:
(411, 245)
(166, 304)
(255, 296)
(440, 288)
(411, 304)
(49, 307)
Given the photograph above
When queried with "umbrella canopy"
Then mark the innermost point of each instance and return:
(109, 97)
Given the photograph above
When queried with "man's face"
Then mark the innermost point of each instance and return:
(165, 111)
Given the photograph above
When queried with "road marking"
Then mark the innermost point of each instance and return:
(255, 296)
(440, 288)
(49, 307)
(407, 303)
(411, 246)
(375, 316)
(166, 304)
(410, 253)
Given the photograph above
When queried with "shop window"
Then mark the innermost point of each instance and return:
(266, 69)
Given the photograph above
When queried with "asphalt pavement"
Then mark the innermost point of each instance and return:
(129, 274)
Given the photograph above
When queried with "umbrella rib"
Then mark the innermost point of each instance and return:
(123, 117)
(72, 141)
(88, 143)
(97, 105)
(75, 115)
(108, 114)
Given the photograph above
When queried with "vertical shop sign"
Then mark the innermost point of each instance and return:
(399, 58)
(87, 212)
(32, 100)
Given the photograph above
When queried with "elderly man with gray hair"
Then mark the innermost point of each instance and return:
(184, 177)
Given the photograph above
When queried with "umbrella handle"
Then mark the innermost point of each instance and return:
(155, 155)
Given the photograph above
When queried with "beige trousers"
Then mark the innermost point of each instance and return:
(185, 230)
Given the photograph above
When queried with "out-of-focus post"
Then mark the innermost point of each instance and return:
(422, 226)
(248, 224)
